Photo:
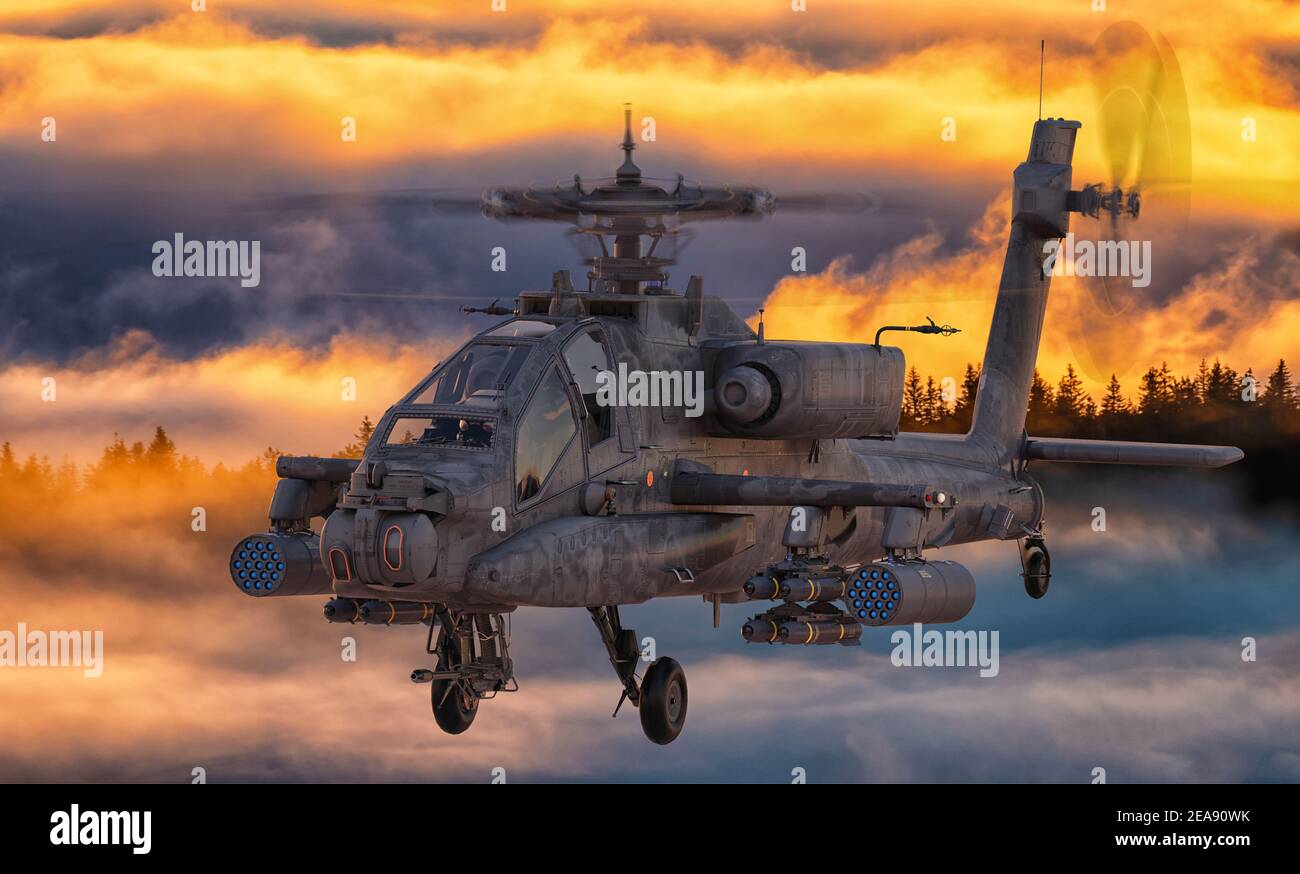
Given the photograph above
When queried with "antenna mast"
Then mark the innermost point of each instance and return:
(1042, 51)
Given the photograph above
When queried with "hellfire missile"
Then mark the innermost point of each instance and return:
(762, 587)
(761, 630)
(342, 610)
(395, 612)
(813, 630)
(814, 588)
(810, 633)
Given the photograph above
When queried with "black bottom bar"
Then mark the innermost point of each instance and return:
(305, 823)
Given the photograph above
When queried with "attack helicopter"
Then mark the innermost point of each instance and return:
(524, 470)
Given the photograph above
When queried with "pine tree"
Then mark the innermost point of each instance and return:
(1202, 382)
(114, 460)
(161, 452)
(1113, 404)
(8, 466)
(357, 447)
(913, 398)
(1279, 391)
(934, 406)
(964, 408)
(1071, 399)
(1183, 397)
(1154, 393)
(66, 478)
(190, 467)
(1041, 403)
(1223, 387)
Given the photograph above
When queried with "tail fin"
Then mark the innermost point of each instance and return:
(1039, 213)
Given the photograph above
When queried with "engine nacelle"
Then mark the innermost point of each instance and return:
(784, 389)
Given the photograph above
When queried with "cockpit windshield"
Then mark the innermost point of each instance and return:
(466, 433)
(476, 376)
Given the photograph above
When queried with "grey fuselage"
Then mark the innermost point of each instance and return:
(562, 557)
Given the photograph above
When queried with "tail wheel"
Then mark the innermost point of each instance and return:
(1038, 571)
(663, 701)
(454, 707)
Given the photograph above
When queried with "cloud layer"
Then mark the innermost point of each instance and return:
(1136, 670)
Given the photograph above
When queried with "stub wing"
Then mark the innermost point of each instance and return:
(1129, 452)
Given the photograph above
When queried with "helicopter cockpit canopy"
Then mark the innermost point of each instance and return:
(465, 393)
(476, 376)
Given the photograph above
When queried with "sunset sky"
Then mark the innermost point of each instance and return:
(168, 120)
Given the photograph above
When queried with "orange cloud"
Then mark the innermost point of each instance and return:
(1246, 312)
(225, 406)
(229, 89)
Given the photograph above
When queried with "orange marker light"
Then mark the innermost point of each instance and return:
(649, 478)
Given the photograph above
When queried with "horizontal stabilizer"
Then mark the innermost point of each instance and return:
(1130, 452)
(712, 489)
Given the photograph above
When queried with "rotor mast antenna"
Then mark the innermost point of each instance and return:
(629, 173)
(1042, 55)
(627, 240)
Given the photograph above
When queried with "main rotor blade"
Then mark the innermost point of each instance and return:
(837, 202)
(435, 200)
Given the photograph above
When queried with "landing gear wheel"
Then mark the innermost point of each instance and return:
(663, 701)
(453, 708)
(1038, 571)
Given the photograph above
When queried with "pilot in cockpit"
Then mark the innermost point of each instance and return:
(475, 434)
